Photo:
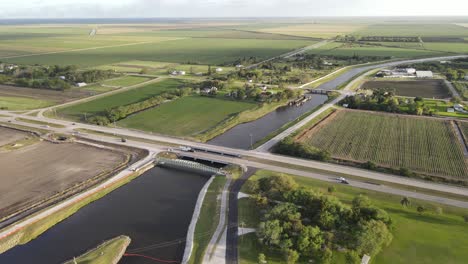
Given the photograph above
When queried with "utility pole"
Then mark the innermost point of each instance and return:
(251, 141)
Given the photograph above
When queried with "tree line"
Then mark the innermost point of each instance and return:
(309, 226)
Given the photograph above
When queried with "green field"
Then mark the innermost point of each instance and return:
(414, 29)
(198, 50)
(429, 238)
(185, 117)
(370, 50)
(22, 103)
(424, 145)
(125, 81)
(100, 105)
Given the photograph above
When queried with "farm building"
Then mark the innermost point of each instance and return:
(211, 90)
(466, 78)
(178, 73)
(219, 69)
(81, 84)
(424, 74)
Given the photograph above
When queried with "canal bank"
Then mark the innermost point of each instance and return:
(154, 210)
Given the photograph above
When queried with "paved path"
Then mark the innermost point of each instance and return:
(233, 224)
(216, 249)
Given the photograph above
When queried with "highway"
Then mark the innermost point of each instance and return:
(263, 160)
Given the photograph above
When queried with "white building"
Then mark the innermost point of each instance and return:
(219, 69)
(178, 73)
(424, 74)
(62, 77)
(81, 84)
(445, 62)
(466, 78)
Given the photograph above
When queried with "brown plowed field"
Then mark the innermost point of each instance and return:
(412, 88)
(31, 174)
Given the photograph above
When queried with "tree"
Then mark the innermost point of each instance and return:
(465, 217)
(269, 232)
(352, 257)
(331, 189)
(262, 258)
(405, 202)
(421, 209)
(455, 100)
(310, 241)
(291, 256)
(371, 237)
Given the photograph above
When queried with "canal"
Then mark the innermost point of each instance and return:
(242, 135)
(154, 210)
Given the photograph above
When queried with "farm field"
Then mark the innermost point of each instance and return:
(451, 47)
(427, 238)
(185, 117)
(325, 30)
(369, 50)
(414, 29)
(424, 145)
(412, 88)
(161, 68)
(22, 98)
(197, 50)
(100, 105)
(37, 171)
(464, 128)
(22, 103)
(125, 81)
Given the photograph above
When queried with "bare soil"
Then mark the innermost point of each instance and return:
(8, 136)
(34, 173)
(424, 88)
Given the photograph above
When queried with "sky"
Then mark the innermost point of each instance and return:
(227, 8)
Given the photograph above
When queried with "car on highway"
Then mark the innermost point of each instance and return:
(342, 180)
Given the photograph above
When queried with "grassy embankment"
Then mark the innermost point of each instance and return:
(39, 122)
(435, 236)
(208, 219)
(109, 252)
(35, 229)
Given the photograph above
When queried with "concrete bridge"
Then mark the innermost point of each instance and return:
(186, 164)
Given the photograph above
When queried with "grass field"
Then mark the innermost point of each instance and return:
(76, 112)
(428, 146)
(412, 88)
(185, 117)
(429, 238)
(22, 103)
(108, 252)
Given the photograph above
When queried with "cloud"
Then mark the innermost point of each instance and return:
(223, 8)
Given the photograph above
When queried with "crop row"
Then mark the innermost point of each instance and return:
(424, 145)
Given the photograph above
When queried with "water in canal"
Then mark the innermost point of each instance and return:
(153, 209)
(241, 136)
